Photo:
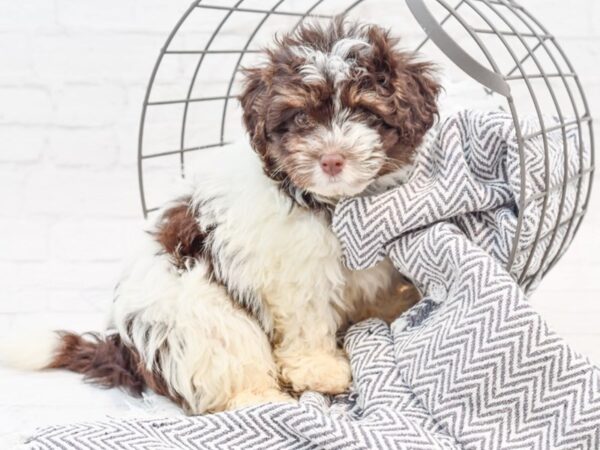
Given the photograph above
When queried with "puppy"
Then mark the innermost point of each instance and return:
(240, 289)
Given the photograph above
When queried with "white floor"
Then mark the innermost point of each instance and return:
(31, 400)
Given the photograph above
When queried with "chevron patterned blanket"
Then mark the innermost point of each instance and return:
(472, 366)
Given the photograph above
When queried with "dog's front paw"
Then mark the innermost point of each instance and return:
(251, 398)
(321, 372)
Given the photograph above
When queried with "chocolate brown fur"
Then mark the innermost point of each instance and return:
(179, 234)
(108, 362)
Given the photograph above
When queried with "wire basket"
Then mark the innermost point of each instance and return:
(190, 103)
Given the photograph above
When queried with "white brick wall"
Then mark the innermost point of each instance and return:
(72, 79)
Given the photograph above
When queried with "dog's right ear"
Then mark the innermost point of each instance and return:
(253, 100)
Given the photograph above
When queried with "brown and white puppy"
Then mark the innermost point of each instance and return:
(240, 288)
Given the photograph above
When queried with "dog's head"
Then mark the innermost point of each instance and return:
(333, 109)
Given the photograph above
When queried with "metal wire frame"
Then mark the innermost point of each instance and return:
(537, 106)
(563, 76)
(495, 14)
(503, 19)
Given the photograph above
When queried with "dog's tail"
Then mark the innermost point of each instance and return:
(103, 360)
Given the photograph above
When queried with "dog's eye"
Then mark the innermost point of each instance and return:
(301, 119)
(383, 80)
(282, 128)
(372, 118)
(286, 121)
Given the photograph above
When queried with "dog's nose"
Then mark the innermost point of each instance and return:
(332, 164)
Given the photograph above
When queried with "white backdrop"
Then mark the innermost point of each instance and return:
(72, 80)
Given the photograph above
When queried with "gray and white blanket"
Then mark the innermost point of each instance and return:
(472, 366)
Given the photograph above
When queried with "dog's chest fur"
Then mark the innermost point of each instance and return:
(266, 251)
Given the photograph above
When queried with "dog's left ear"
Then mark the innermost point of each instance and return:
(401, 90)
(253, 99)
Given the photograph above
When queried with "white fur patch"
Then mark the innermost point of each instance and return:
(335, 64)
(29, 350)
